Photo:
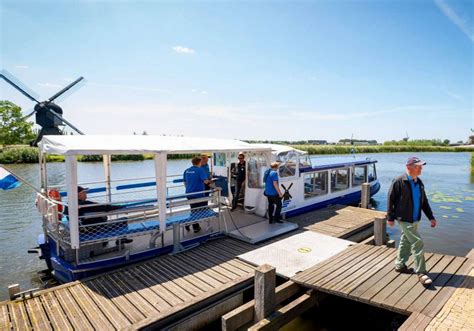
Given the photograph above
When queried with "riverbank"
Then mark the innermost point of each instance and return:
(25, 154)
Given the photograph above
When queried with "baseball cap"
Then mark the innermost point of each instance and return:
(80, 189)
(415, 161)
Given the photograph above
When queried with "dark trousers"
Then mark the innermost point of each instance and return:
(195, 209)
(274, 205)
(238, 190)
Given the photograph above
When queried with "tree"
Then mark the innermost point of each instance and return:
(446, 142)
(13, 128)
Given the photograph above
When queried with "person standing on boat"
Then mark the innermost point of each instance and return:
(273, 193)
(239, 173)
(195, 180)
(406, 200)
(205, 168)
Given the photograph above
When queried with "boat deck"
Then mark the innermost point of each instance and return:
(366, 274)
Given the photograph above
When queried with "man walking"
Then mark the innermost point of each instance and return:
(406, 200)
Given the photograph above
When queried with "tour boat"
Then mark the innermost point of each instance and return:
(150, 213)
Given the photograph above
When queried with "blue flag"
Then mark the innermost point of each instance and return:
(7, 180)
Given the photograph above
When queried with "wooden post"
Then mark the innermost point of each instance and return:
(365, 195)
(380, 227)
(13, 290)
(265, 279)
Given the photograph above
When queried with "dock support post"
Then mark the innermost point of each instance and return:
(265, 279)
(380, 229)
(365, 195)
(13, 290)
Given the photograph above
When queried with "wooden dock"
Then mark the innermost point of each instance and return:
(366, 273)
(165, 290)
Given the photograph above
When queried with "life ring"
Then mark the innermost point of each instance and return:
(55, 195)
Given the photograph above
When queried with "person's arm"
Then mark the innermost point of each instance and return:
(204, 177)
(391, 200)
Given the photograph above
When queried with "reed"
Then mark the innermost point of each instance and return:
(346, 149)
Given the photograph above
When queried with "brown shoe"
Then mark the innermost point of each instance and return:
(405, 270)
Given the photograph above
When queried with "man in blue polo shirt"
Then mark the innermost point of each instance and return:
(406, 200)
(273, 193)
(195, 179)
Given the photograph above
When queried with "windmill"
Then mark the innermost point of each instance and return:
(49, 115)
(406, 137)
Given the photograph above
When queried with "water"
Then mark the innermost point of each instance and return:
(446, 177)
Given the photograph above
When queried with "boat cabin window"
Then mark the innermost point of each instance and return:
(256, 167)
(359, 175)
(372, 172)
(305, 162)
(315, 184)
(288, 161)
(339, 179)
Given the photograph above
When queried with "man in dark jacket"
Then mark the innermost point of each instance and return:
(406, 200)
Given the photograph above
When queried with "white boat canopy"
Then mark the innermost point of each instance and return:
(139, 144)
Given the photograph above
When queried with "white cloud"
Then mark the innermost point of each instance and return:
(460, 22)
(184, 50)
(21, 66)
(49, 85)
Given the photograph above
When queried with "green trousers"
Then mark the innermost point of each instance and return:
(410, 242)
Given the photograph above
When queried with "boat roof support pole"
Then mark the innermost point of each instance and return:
(71, 187)
(107, 159)
(160, 172)
(42, 164)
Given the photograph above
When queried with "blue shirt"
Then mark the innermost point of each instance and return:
(416, 196)
(194, 178)
(206, 170)
(269, 188)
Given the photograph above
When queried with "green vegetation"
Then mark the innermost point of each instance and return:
(14, 129)
(346, 149)
(418, 142)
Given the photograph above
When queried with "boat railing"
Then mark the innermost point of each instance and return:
(140, 217)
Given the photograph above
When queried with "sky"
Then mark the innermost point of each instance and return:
(278, 70)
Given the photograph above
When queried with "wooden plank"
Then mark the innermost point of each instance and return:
(383, 282)
(111, 290)
(38, 317)
(362, 272)
(19, 315)
(222, 263)
(113, 313)
(211, 314)
(339, 258)
(245, 267)
(224, 249)
(394, 285)
(176, 278)
(440, 275)
(327, 274)
(167, 282)
(56, 315)
(153, 322)
(5, 323)
(355, 282)
(142, 288)
(287, 313)
(187, 268)
(90, 309)
(154, 284)
(436, 303)
(410, 321)
(206, 267)
(73, 312)
(189, 276)
(357, 268)
(120, 279)
(245, 313)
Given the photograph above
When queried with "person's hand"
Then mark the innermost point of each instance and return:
(281, 196)
(433, 223)
(391, 223)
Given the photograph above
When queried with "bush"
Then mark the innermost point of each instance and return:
(19, 154)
